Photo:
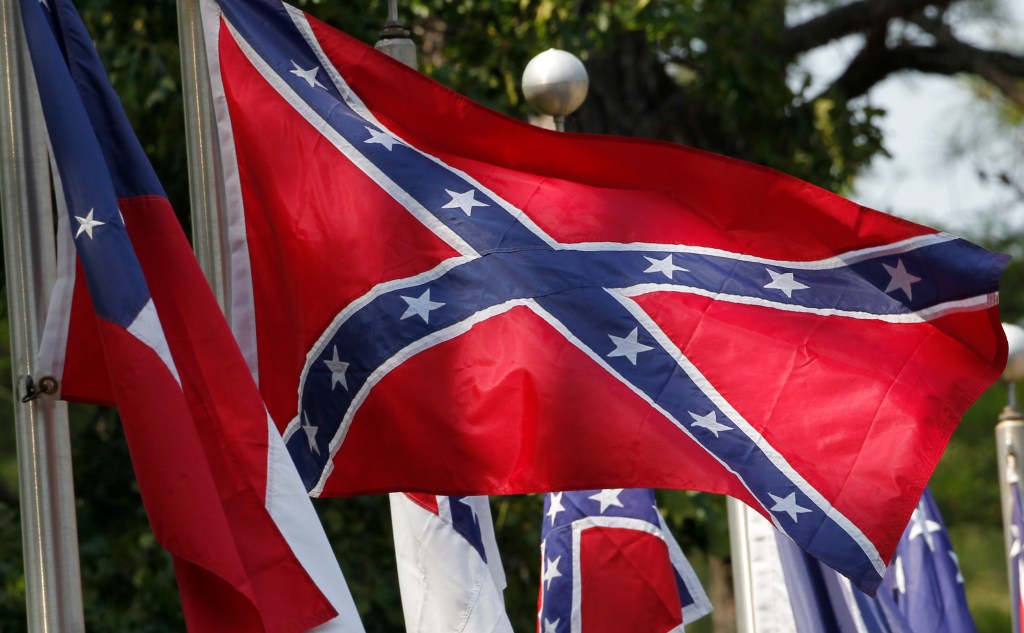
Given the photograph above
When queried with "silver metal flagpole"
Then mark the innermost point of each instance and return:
(49, 535)
(1010, 433)
(742, 574)
(205, 172)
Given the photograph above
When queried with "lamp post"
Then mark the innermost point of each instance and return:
(555, 83)
(1010, 432)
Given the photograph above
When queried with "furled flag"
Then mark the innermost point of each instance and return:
(437, 298)
(219, 489)
(790, 592)
(449, 568)
(1016, 552)
(924, 576)
(609, 563)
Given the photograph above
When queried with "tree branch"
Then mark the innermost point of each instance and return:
(848, 19)
(947, 57)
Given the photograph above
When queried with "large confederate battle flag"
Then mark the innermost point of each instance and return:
(437, 298)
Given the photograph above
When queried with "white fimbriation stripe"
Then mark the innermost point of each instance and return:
(701, 603)
(357, 105)
(350, 152)
(772, 607)
(380, 289)
(295, 517)
(147, 329)
(755, 437)
(828, 263)
(243, 308)
(576, 611)
(971, 304)
(436, 338)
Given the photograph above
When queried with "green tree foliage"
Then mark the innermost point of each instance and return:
(721, 75)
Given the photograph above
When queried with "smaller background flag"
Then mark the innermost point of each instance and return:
(449, 568)
(793, 593)
(922, 592)
(609, 563)
(924, 576)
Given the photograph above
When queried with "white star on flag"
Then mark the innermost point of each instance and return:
(556, 506)
(465, 201)
(628, 346)
(709, 422)
(901, 578)
(551, 627)
(420, 306)
(607, 498)
(550, 572)
(308, 75)
(1015, 547)
(789, 506)
(87, 224)
(381, 138)
(956, 565)
(900, 279)
(310, 433)
(338, 369)
(663, 266)
(921, 525)
(784, 282)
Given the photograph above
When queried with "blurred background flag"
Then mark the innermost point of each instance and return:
(610, 563)
(220, 492)
(924, 576)
(793, 593)
(449, 568)
(923, 590)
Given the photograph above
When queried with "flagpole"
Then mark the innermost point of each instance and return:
(205, 171)
(49, 532)
(742, 575)
(394, 39)
(1010, 434)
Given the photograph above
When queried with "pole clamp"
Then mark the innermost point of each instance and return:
(47, 385)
